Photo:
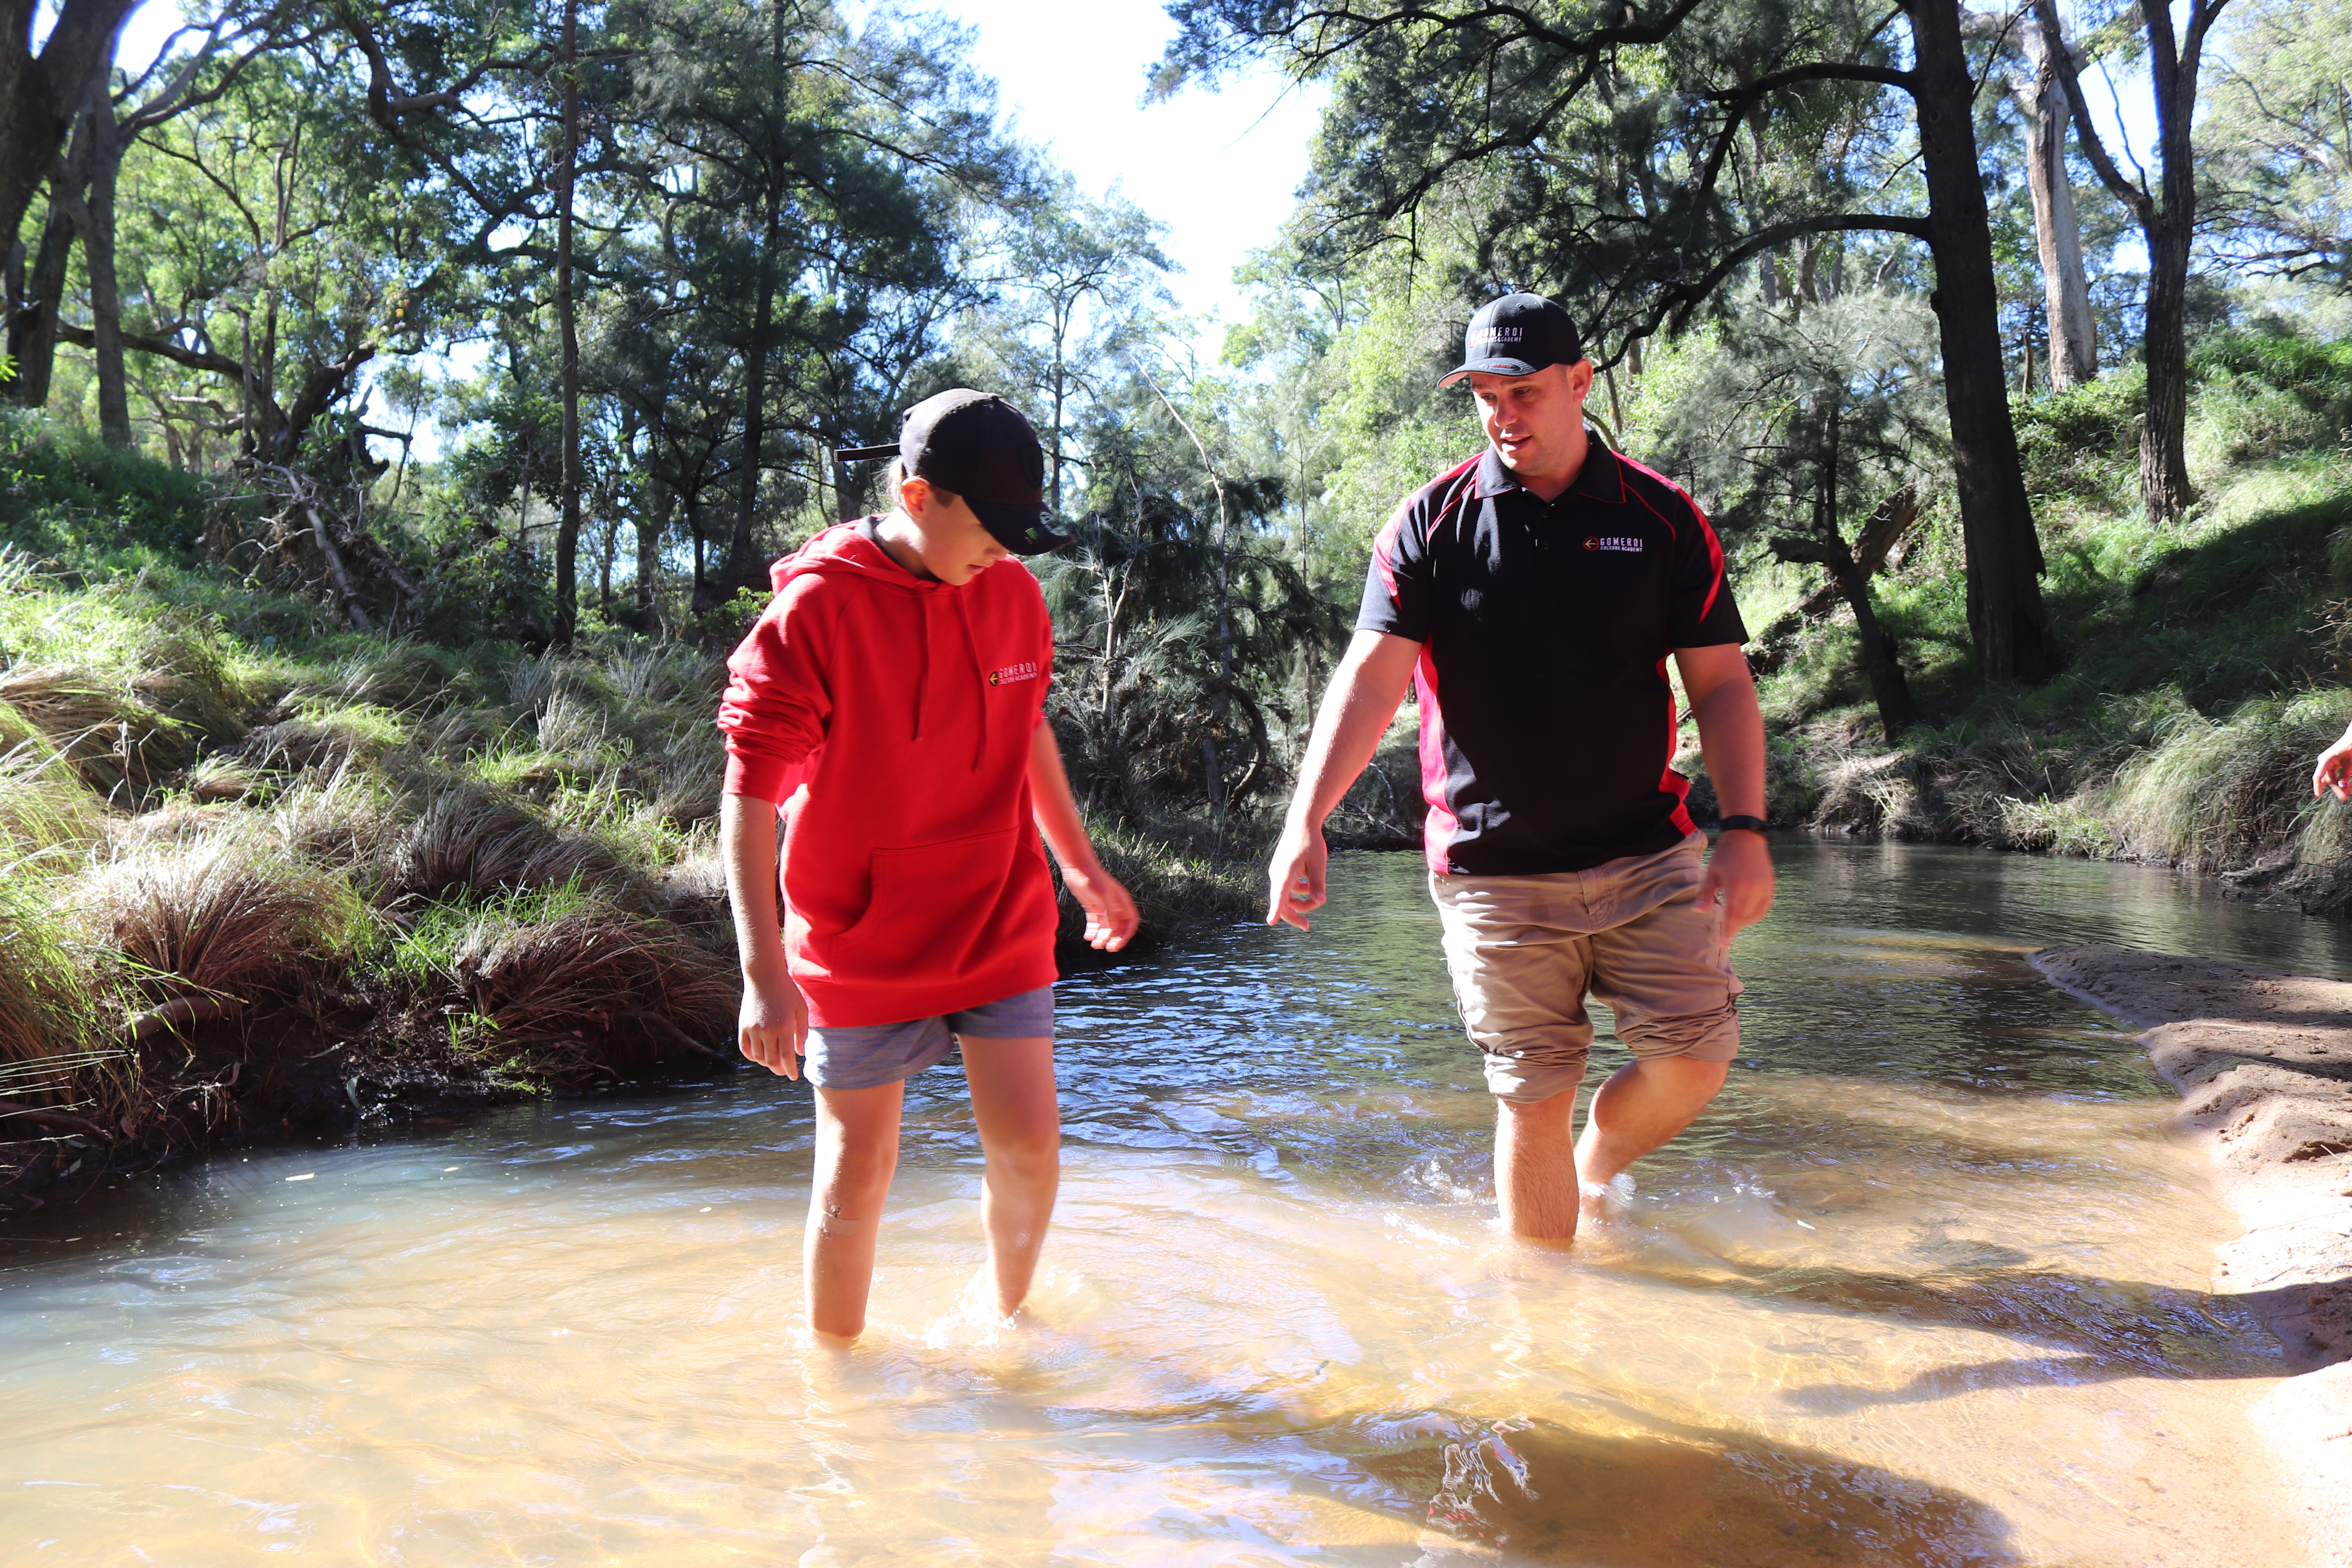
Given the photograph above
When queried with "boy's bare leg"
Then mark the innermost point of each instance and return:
(856, 1154)
(1639, 1109)
(1535, 1167)
(1020, 1122)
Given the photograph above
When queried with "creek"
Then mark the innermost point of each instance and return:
(1928, 1285)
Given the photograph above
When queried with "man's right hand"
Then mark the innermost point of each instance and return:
(772, 1026)
(1295, 875)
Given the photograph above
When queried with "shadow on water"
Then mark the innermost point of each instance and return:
(1666, 1494)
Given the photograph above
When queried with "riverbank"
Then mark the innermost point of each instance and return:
(263, 875)
(2204, 664)
(2264, 1062)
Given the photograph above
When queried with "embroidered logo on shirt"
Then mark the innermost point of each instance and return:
(1012, 672)
(1610, 542)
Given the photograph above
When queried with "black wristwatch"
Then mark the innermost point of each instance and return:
(1743, 825)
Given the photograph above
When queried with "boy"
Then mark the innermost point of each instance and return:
(891, 703)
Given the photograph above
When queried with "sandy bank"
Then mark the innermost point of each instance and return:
(2264, 1062)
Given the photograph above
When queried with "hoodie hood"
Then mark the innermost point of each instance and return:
(845, 549)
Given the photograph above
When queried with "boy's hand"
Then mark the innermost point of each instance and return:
(1111, 919)
(772, 1026)
(1296, 875)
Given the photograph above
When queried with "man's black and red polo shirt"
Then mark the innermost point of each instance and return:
(1547, 721)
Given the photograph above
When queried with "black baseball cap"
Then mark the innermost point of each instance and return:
(976, 446)
(1517, 334)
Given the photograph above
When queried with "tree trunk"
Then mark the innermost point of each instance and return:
(567, 532)
(96, 216)
(1888, 687)
(2008, 623)
(2057, 232)
(33, 330)
(40, 93)
(649, 543)
(2168, 225)
(741, 568)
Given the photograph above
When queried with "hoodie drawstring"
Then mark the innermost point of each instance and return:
(972, 647)
(923, 665)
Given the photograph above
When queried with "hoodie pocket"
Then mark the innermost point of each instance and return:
(933, 905)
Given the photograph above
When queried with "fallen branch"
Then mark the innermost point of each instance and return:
(64, 1121)
(182, 1010)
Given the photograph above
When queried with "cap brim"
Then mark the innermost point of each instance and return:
(1490, 367)
(1018, 526)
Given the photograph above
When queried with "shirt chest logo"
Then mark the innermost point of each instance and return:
(1628, 545)
(1012, 672)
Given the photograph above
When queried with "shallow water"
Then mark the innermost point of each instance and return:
(1927, 1285)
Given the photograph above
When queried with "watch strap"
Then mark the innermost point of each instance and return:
(1744, 825)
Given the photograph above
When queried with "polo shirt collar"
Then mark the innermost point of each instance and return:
(1600, 479)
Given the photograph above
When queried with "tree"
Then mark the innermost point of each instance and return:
(567, 532)
(1078, 278)
(40, 94)
(2278, 152)
(2058, 234)
(2167, 220)
(1596, 140)
(1796, 422)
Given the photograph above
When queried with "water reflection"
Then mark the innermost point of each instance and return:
(1928, 1285)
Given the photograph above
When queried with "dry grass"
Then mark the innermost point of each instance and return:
(588, 986)
(119, 744)
(45, 809)
(217, 779)
(466, 839)
(229, 918)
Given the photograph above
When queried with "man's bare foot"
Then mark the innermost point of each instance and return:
(1600, 1200)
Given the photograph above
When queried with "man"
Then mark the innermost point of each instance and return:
(1533, 594)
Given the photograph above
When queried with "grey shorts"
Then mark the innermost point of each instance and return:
(1525, 952)
(867, 1055)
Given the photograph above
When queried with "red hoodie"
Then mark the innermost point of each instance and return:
(891, 718)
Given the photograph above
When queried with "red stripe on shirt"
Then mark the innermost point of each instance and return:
(1438, 827)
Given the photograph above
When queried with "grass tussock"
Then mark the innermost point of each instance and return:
(579, 988)
(2206, 663)
(225, 919)
(45, 809)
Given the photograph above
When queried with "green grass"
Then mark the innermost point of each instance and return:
(2204, 664)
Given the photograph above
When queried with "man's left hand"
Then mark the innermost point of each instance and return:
(1739, 873)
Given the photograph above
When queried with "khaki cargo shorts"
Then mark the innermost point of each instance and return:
(1525, 950)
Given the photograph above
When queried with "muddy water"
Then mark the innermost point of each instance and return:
(1927, 1287)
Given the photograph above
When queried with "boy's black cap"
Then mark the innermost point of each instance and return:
(976, 446)
(1517, 334)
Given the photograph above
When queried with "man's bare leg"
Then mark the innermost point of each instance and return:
(1639, 1109)
(1020, 1120)
(856, 1154)
(1535, 1167)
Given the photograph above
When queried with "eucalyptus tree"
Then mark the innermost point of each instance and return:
(2167, 220)
(2276, 147)
(1078, 283)
(1596, 141)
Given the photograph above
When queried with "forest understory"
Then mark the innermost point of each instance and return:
(2203, 664)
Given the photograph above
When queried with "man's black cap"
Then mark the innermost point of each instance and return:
(1517, 334)
(976, 446)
